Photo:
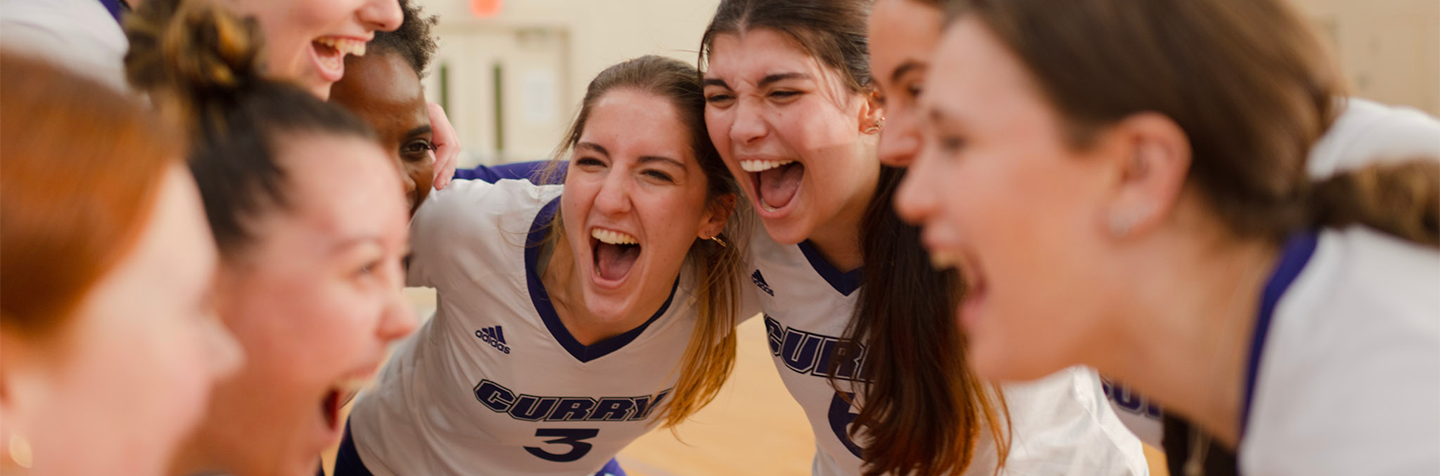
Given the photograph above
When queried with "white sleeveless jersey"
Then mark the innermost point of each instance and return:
(494, 384)
(1365, 132)
(1344, 375)
(1061, 424)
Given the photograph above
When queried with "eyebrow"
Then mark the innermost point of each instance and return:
(658, 158)
(906, 67)
(425, 129)
(349, 243)
(766, 81)
(593, 146)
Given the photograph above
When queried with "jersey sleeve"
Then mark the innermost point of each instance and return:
(531, 171)
(441, 224)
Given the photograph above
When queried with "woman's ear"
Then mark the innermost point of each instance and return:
(716, 215)
(1150, 172)
(872, 113)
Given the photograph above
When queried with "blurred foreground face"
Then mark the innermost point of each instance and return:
(1001, 195)
(123, 383)
(306, 41)
(314, 300)
(903, 34)
(386, 93)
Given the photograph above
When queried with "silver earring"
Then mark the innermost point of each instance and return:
(880, 124)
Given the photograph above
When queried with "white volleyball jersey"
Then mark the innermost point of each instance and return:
(1061, 424)
(1365, 132)
(1347, 379)
(494, 383)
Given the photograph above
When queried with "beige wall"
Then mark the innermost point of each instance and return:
(1389, 49)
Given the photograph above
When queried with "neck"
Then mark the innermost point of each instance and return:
(1185, 334)
(839, 239)
(564, 286)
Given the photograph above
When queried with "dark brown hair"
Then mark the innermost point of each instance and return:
(923, 408)
(80, 169)
(710, 355)
(1248, 82)
(201, 64)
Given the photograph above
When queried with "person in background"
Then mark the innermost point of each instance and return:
(383, 88)
(110, 340)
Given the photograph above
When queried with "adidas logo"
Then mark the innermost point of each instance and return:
(495, 337)
(760, 281)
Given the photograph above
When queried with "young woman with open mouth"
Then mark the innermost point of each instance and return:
(903, 34)
(790, 108)
(310, 272)
(571, 318)
(1151, 212)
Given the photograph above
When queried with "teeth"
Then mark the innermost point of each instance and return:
(343, 45)
(767, 206)
(613, 237)
(942, 260)
(762, 165)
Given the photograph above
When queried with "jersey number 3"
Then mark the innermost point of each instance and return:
(575, 437)
(840, 419)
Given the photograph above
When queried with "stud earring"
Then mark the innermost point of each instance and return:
(20, 452)
(1122, 222)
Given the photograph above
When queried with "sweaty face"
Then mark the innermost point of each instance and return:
(384, 91)
(634, 203)
(1001, 195)
(306, 41)
(314, 301)
(146, 334)
(789, 129)
(902, 34)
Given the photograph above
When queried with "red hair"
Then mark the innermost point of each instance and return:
(80, 168)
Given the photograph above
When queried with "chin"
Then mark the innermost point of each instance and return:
(786, 231)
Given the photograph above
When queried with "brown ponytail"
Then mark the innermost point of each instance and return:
(1399, 198)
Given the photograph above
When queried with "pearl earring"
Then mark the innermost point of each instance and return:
(20, 452)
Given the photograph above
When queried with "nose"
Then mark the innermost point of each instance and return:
(614, 196)
(383, 15)
(899, 141)
(748, 125)
(397, 320)
(916, 200)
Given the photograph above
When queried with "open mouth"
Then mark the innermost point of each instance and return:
(329, 54)
(976, 286)
(777, 182)
(615, 253)
(335, 397)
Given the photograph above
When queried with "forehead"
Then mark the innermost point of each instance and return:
(360, 189)
(972, 69)
(379, 79)
(902, 30)
(642, 123)
(750, 55)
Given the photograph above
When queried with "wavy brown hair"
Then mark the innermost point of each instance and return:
(1246, 80)
(923, 410)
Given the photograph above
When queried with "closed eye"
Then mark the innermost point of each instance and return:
(589, 162)
(660, 175)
